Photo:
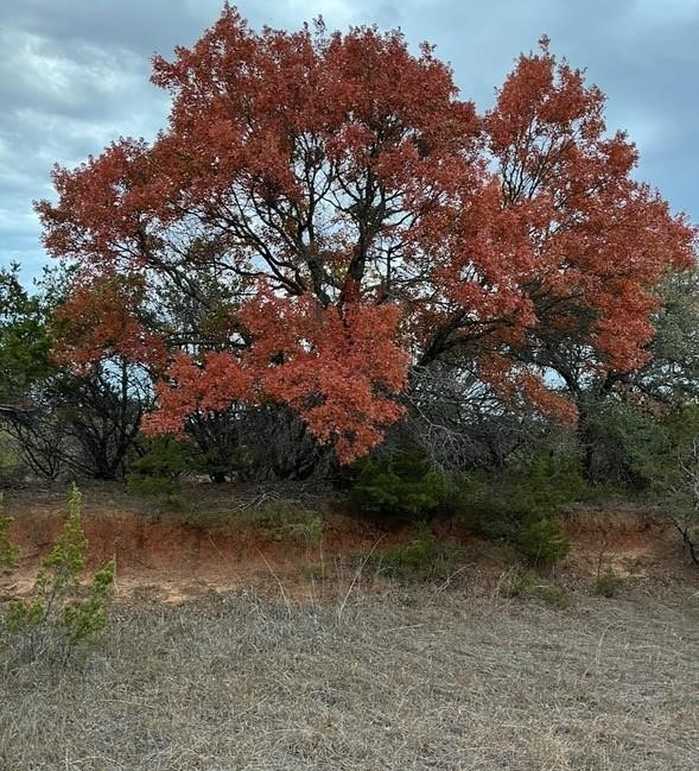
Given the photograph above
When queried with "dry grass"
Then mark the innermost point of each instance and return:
(411, 679)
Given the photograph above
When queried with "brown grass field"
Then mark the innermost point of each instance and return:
(231, 649)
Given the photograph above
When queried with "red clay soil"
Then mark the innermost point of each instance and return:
(162, 557)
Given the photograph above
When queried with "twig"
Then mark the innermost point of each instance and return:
(357, 574)
(281, 586)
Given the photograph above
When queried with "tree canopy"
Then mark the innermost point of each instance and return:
(358, 218)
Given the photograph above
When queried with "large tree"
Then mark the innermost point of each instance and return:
(368, 220)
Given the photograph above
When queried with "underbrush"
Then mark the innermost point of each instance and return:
(495, 503)
(519, 505)
(155, 476)
(8, 551)
(422, 558)
(608, 584)
(399, 485)
(164, 489)
(522, 583)
(12, 466)
(285, 520)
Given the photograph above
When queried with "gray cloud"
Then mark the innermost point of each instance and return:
(74, 75)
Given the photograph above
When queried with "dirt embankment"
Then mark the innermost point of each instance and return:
(172, 557)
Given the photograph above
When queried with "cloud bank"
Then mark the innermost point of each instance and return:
(74, 76)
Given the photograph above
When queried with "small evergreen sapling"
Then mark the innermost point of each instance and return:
(58, 615)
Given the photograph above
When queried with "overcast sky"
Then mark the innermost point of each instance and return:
(74, 75)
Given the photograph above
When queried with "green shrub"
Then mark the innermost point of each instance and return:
(608, 584)
(541, 541)
(221, 463)
(548, 483)
(156, 475)
(399, 485)
(518, 504)
(8, 551)
(165, 458)
(636, 449)
(60, 614)
(481, 505)
(524, 583)
(153, 487)
(286, 520)
(423, 558)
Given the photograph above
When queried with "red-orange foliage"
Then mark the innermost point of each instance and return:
(100, 319)
(373, 219)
